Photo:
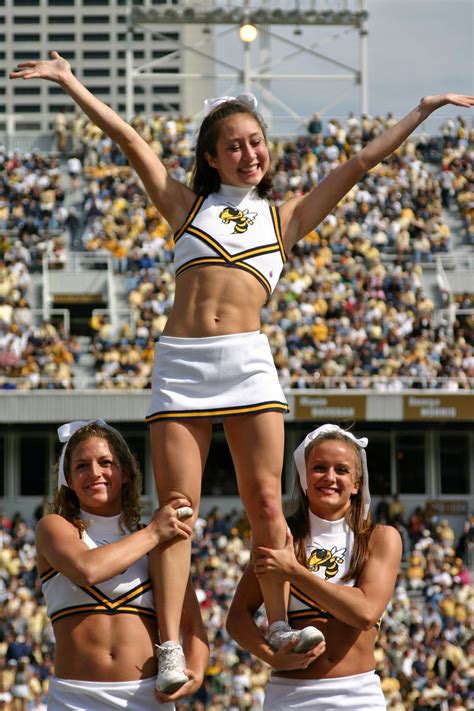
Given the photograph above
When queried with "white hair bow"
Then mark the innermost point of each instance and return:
(65, 432)
(299, 456)
(247, 99)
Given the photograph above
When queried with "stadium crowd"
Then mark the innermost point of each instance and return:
(349, 310)
(425, 646)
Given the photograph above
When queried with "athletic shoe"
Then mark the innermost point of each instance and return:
(171, 665)
(280, 633)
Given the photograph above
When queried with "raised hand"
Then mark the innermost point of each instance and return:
(55, 69)
(431, 103)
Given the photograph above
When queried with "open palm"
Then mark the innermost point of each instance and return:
(53, 69)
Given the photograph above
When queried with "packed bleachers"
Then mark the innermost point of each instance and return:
(424, 650)
(350, 310)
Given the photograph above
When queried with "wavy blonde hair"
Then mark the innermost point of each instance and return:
(65, 501)
(298, 519)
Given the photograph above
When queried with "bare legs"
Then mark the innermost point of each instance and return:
(179, 451)
(257, 445)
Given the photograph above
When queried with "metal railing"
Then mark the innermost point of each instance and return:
(376, 383)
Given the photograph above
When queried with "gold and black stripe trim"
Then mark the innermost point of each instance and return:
(102, 610)
(306, 600)
(192, 214)
(238, 256)
(209, 261)
(275, 213)
(308, 615)
(218, 412)
(103, 599)
(254, 272)
(47, 575)
(199, 262)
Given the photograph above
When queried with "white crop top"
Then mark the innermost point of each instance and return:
(129, 592)
(233, 227)
(328, 555)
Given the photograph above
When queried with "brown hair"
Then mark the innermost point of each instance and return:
(298, 520)
(205, 179)
(65, 501)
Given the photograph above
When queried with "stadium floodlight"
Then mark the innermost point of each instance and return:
(248, 33)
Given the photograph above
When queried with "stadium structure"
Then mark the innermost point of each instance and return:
(157, 58)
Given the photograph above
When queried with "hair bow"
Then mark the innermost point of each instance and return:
(299, 456)
(65, 432)
(247, 99)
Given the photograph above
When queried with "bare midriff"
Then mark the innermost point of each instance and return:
(215, 301)
(105, 647)
(348, 651)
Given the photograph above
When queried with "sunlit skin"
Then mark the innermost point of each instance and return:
(96, 477)
(242, 156)
(331, 478)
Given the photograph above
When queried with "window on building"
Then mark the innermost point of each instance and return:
(28, 125)
(26, 90)
(96, 72)
(26, 20)
(95, 37)
(61, 37)
(59, 3)
(105, 90)
(56, 108)
(98, 54)
(89, 3)
(454, 463)
(166, 89)
(24, 3)
(61, 20)
(173, 106)
(378, 464)
(33, 465)
(26, 54)
(26, 108)
(24, 37)
(410, 463)
(95, 19)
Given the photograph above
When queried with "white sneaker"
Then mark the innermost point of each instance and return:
(280, 633)
(171, 665)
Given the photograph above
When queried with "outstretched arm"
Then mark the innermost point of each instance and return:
(302, 214)
(172, 198)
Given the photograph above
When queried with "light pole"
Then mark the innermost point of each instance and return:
(248, 33)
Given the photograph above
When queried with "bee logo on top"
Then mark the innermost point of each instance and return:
(242, 218)
(330, 560)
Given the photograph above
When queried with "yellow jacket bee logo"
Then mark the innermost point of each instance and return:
(330, 560)
(242, 218)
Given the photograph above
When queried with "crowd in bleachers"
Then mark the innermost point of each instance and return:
(349, 310)
(32, 217)
(424, 650)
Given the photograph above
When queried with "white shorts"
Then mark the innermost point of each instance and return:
(72, 695)
(214, 377)
(360, 692)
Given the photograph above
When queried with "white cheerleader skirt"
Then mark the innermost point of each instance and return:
(73, 695)
(214, 377)
(359, 692)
